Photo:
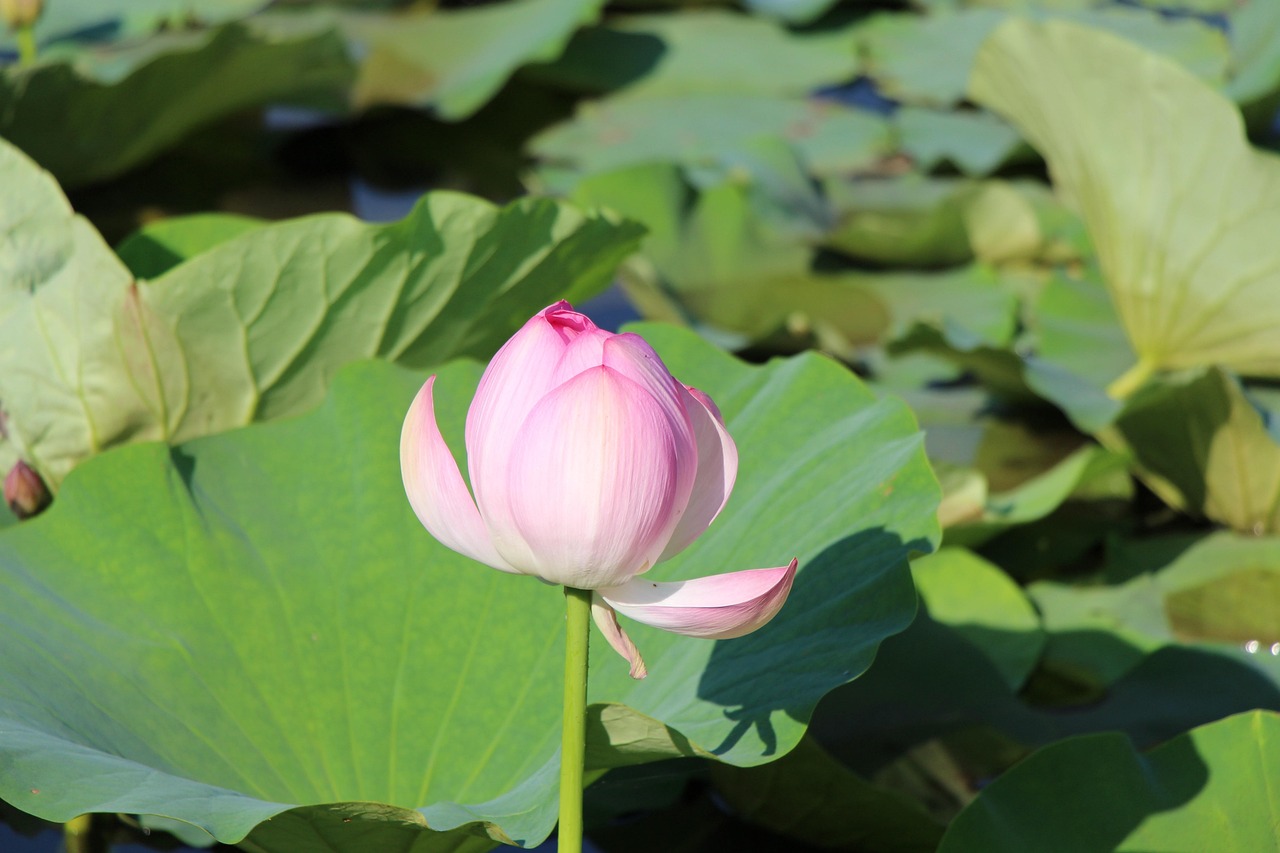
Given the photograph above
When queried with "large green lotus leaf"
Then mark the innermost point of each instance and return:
(707, 50)
(282, 640)
(930, 683)
(1219, 594)
(159, 246)
(1215, 788)
(983, 605)
(1178, 205)
(1205, 446)
(98, 111)
(811, 797)
(694, 128)
(255, 327)
(454, 60)
(927, 59)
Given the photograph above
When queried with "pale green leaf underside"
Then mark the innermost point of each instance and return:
(255, 327)
(255, 622)
(1181, 210)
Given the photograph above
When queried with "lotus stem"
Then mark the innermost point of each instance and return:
(26, 38)
(1132, 379)
(573, 745)
(83, 835)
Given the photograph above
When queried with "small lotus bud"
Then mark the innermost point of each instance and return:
(19, 14)
(24, 491)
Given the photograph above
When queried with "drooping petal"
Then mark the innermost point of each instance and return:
(719, 607)
(593, 481)
(434, 484)
(717, 471)
(607, 621)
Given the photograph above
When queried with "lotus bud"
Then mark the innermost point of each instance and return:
(24, 491)
(20, 14)
(590, 463)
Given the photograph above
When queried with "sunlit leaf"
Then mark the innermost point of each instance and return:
(158, 247)
(255, 327)
(693, 128)
(701, 51)
(1205, 446)
(927, 59)
(983, 605)
(1214, 788)
(1178, 205)
(1217, 592)
(454, 60)
(912, 221)
(254, 625)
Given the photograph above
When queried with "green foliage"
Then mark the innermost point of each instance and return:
(456, 60)
(1175, 200)
(1212, 788)
(91, 112)
(233, 660)
(1042, 231)
(254, 327)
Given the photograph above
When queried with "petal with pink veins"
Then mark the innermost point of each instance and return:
(717, 471)
(593, 486)
(518, 377)
(434, 484)
(607, 621)
(719, 607)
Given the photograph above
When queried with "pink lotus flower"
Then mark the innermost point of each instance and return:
(590, 463)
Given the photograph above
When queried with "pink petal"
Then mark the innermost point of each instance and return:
(719, 607)
(517, 378)
(435, 488)
(632, 357)
(607, 620)
(593, 484)
(717, 471)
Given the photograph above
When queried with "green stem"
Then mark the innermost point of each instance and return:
(26, 38)
(1132, 379)
(84, 835)
(573, 745)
